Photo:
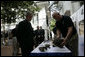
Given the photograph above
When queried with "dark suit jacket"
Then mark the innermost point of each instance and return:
(42, 32)
(24, 34)
(37, 34)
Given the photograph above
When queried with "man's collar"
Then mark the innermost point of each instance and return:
(27, 20)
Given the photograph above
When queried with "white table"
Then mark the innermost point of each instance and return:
(51, 50)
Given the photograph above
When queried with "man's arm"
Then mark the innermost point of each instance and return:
(70, 25)
(58, 33)
(68, 35)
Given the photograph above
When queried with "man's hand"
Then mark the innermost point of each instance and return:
(64, 42)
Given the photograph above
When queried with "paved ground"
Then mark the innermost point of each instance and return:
(6, 51)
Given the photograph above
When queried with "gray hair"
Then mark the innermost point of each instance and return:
(29, 13)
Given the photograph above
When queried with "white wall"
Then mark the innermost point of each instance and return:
(67, 6)
(77, 16)
(42, 21)
(75, 6)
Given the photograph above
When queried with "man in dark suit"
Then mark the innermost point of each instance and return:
(42, 32)
(24, 34)
(37, 36)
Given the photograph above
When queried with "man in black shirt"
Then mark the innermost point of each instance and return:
(65, 26)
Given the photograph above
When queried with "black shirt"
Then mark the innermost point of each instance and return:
(63, 25)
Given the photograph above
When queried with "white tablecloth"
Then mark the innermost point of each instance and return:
(51, 49)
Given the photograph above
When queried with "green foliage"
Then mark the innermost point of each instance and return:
(8, 15)
(52, 25)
